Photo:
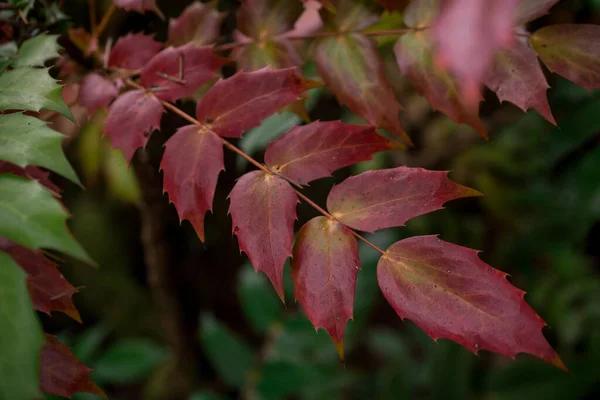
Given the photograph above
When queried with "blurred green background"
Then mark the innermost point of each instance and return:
(539, 221)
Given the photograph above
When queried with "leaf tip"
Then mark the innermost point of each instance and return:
(339, 347)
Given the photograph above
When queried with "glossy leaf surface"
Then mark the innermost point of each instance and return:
(381, 199)
(572, 51)
(35, 51)
(187, 68)
(191, 163)
(450, 293)
(263, 210)
(133, 51)
(96, 92)
(314, 151)
(131, 120)
(324, 270)
(200, 23)
(258, 94)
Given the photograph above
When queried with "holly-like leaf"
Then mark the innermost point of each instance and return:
(179, 71)
(314, 151)
(260, 19)
(421, 14)
(257, 95)
(31, 89)
(191, 163)
(450, 293)
(131, 120)
(275, 53)
(26, 140)
(61, 373)
(200, 23)
(528, 10)
(96, 92)
(348, 15)
(352, 68)
(48, 289)
(468, 33)
(35, 51)
(517, 76)
(133, 51)
(21, 336)
(33, 218)
(381, 199)
(140, 6)
(414, 54)
(572, 51)
(263, 210)
(30, 172)
(324, 270)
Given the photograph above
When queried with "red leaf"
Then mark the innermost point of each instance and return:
(191, 163)
(131, 119)
(199, 23)
(352, 67)
(96, 92)
(61, 373)
(263, 210)
(528, 10)
(381, 199)
(239, 103)
(324, 269)
(31, 172)
(262, 19)
(517, 76)
(188, 66)
(140, 6)
(48, 289)
(468, 33)
(450, 293)
(133, 51)
(313, 151)
(414, 55)
(572, 51)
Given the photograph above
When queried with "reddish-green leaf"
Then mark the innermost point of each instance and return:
(352, 67)
(191, 163)
(179, 71)
(96, 92)
(239, 103)
(62, 374)
(131, 119)
(324, 269)
(314, 151)
(414, 54)
(348, 15)
(572, 51)
(381, 199)
(421, 13)
(48, 289)
(263, 210)
(275, 53)
(517, 76)
(133, 51)
(260, 19)
(199, 23)
(528, 10)
(450, 293)
(140, 6)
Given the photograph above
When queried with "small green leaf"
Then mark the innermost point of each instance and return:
(35, 51)
(27, 140)
(20, 335)
(31, 216)
(31, 89)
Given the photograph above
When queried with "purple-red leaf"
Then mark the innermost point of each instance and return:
(96, 92)
(352, 68)
(517, 76)
(191, 163)
(572, 51)
(381, 199)
(313, 151)
(48, 289)
(199, 23)
(140, 6)
(62, 374)
(324, 269)
(450, 293)
(528, 10)
(179, 71)
(131, 119)
(263, 210)
(239, 103)
(133, 51)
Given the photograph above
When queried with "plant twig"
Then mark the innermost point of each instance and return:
(92, 13)
(105, 19)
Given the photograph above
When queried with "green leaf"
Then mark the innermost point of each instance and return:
(7, 52)
(31, 216)
(129, 361)
(35, 51)
(260, 304)
(21, 335)
(31, 89)
(27, 140)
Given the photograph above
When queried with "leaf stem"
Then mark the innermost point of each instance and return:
(105, 20)
(92, 14)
